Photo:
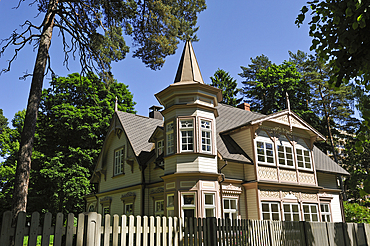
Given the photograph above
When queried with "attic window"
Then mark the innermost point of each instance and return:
(187, 135)
(119, 161)
(206, 131)
(265, 152)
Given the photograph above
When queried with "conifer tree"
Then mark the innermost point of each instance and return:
(222, 80)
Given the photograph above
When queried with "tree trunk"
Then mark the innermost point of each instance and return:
(25, 150)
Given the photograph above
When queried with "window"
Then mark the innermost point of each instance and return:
(270, 211)
(129, 209)
(159, 208)
(188, 205)
(206, 131)
(209, 205)
(160, 147)
(265, 152)
(186, 132)
(170, 205)
(230, 208)
(169, 135)
(325, 212)
(285, 155)
(118, 161)
(291, 212)
(310, 212)
(303, 158)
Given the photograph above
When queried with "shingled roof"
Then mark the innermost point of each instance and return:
(232, 118)
(138, 130)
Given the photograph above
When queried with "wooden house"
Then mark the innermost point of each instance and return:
(197, 157)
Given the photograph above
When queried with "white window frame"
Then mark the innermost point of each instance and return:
(161, 211)
(270, 212)
(325, 213)
(291, 213)
(285, 154)
(189, 135)
(160, 147)
(230, 210)
(188, 206)
(119, 157)
(206, 141)
(264, 142)
(170, 141)
(212, 206)
(132, 208)
(170, 208)
(310, 214)
(303, 161)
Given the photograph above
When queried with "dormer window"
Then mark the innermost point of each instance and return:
(160, 147)
(187, 135)
(303, 158)
(265, 152)
(169, 136)
(285, 155)
(206, 130)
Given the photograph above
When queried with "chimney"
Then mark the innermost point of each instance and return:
(244, 106)
(154, 112)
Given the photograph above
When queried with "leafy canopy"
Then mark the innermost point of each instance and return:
(74, 115)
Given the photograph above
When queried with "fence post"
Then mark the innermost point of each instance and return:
(212, 231)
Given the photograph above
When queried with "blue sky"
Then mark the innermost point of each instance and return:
(230, 33)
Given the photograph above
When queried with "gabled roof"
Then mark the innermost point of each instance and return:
(188, 70)
(138, 130)
(231, 118)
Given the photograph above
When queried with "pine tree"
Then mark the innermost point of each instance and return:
(222, 80)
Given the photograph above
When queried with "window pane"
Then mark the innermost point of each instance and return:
(296, 217)
(306, 209)
(269, 146)
(210, 212)
(275, 216)
(265, 207)
(295, 208)
(313, 209)
(188, 199)
(315, 217)
(209, 199)
(226, 204)
(266, 216)
(189, 213)
(286, 208)
(233, 204)
(260, 145)
(274, 208)
(170, 200)
(261, 158)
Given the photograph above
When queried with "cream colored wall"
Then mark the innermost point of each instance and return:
(153, 174)
(129, 178)
(233, 170)
(336, 208)
(242, 205)
(244, 140)
(249, 172)
(327, 180)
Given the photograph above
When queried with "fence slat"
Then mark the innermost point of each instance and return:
(107, 229)
(145, 230)
(170, 232)
(80, 229)
(35, 220)
(131, 230)
(124, 230)
(70, 229)
(46, 230)
(19, 231)
(59, 230)
(6, 228)
(151, 231)
(176, 231)
(138, 230)
(116, 229)
(158, 227)
(98, 230)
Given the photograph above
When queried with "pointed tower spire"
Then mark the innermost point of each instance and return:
(188, 70)
(116, 105)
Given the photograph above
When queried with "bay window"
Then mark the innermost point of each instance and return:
(188, 205)
(206, 140)
(170, 140)
(209, 205)
(186, 135)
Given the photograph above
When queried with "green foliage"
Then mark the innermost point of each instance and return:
(74, 115)
(356, 213)
(3, 120)
(222, 80)
(266, 85)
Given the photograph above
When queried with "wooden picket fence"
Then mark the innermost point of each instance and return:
(88, 229)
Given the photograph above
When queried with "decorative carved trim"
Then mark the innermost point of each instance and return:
(307, 178)
(270, 194)
(288, 175)
(156, 191)
(267, 173)
(231, 189)
(290, 195)
(106, 200)
(309, 196)
(128, 197)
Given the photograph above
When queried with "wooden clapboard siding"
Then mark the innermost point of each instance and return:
(233, 170)
(242, 205)
(327, 180)
(249, 172)
(190, 163)
(252, 206)
(170, 164)
(207, 164)
(153, 173)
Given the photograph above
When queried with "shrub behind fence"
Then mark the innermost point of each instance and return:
(123, 231)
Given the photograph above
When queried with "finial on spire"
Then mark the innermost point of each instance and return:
(116, 105)
(288, 106)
